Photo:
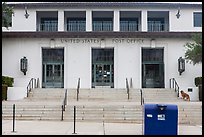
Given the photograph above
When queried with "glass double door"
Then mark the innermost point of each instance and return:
(53, 75)
(152, 67)
(103, 67)
(52, 67)
(153, 76)
(102, 74)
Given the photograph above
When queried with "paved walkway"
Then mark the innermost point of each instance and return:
(23, 127)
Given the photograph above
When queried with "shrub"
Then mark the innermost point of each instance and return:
(198, 81)
(7, 81)
(200, 92)
(4, 92)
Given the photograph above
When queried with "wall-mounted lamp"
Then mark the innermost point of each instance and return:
(26, 12)
(102, 43)
(178, 13)
(181, 65)
(52, 43)
(24, 65)
(152, 43)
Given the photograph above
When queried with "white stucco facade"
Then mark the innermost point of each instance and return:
(127, 60)
(78, 51)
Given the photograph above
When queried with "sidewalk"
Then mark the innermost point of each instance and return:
(83, 128)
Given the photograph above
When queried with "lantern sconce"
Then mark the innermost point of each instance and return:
(152, 43)
(178, 13)
(24, 65)
(26, 12)
(181, 65)
(52, 43)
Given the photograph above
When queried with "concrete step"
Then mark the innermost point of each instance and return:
(109, 105)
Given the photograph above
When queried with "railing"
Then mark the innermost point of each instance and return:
(32, 84)
(142, 98)
(78, 86)
(129, 26)
(131, 84)
(128, 89)
(48, 27)
(65, 100)
(102, 26)
(157, 26)
(174, 85)
(64, 103)
(79, 26)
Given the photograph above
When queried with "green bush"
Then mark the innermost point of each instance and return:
(7, 81)
(4, 92)
(200, 92)
(198, 81)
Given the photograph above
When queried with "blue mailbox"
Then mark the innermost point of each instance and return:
(160, 119)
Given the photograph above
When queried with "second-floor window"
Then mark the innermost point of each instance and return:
(102, 24)
(156, 24)
(128, 24)
(48, 24)
(197, 18)
(76, 24)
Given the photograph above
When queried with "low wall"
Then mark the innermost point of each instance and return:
(16, 93)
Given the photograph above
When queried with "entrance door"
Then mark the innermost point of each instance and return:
(53, 75)
(103, 74)
(152, 68)
(102, 67)
(53, 68)
(153, 76)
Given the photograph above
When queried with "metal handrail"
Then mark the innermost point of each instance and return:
(131, 85)
(78, 86)
(30, 85)
(38, 83)
(65, 100)
(174, 84)
(128, 89)
(64, 103)
(142, 98)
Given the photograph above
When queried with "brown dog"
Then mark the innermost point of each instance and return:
(185, 96)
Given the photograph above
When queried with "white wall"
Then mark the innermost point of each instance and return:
(20, 23)
(126, 64)
(78, 65)
(16, 93)
(176, 50)
(185, 22)
(12, 51)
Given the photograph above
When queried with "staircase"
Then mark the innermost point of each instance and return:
(160, 95)
(98, 105)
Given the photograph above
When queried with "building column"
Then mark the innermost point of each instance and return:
(61, 20)
(88, 20)
(116, 20)
(144, 20)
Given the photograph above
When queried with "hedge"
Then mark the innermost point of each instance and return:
(6, 82)
(4, 92)
(198, 81)
(200, 92)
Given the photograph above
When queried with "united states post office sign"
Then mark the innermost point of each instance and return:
(98, 41)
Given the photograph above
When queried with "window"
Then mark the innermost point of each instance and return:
(128, 24)
(76, 24)
(197, 17)
(49, 24)
(152, 55)
(102, 24)
(156, 24)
